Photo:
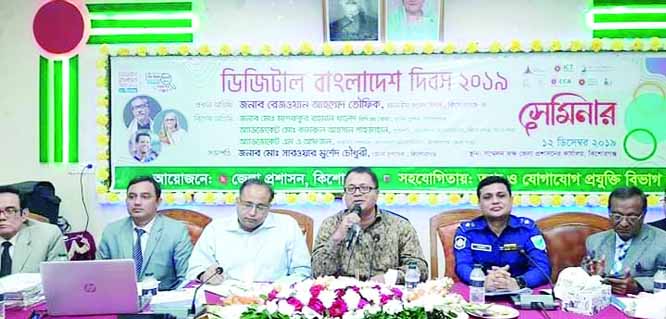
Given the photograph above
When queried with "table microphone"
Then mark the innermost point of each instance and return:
(543, 302)
(218, 271)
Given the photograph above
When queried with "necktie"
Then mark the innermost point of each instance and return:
(620, 253)
(5, 260)
(138, 252)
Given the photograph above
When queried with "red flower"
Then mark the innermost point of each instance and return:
(383, 299)
(362, 303)
(397, 293)
(272, 295)
(316, 305)
(298, 305)
(315, 290)
(338, 308)
(339, 292)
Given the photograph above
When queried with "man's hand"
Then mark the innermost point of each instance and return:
(594, 266)
(496, 277)
(625, 285)
(212, 276)
(347, 221)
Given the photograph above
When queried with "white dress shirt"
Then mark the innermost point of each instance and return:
(275, 251)
(144, 237)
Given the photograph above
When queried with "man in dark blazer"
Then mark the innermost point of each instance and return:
(355, 25)
(158, 244)
(628, 255)
(25, 243)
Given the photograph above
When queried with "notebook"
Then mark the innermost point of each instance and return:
(90, 287)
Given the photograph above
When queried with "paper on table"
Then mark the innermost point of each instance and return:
(20, 282)
(508, 292)
(173, 296)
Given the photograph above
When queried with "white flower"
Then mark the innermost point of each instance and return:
(352, 299)
(353, 315)
(272, 306)
(327, 297)
(393, 307)
(232, 311)
(303, 291)
(370, 294)
(372, 309)
(285, 308)
(308, 313)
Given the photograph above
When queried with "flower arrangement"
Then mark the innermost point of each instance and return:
(345, 298)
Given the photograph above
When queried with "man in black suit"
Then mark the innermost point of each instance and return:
(355, 25)
(662, 222)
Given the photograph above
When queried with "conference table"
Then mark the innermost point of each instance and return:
(609, 312)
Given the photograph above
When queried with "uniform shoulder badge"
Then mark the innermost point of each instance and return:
(538, 242)
(460, 242)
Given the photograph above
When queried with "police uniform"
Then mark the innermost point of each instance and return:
(475, 243)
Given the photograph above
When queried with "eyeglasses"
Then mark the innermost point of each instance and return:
(351, 189)
(631, 219)
(248, 206)
(10, 211)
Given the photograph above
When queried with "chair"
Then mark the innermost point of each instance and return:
(444, 226)
(565, 234)
(195, 221)
(38, 217)
(304, 221)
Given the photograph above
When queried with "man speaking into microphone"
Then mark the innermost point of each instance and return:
(364, 241)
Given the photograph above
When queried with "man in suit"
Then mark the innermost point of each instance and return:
(662, 222)
(355, 25)
(25, 243)
(628, 255)
(159, 245)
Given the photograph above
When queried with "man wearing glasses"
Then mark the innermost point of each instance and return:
(628, 255)
(255, 245)
(662, 222)
(25, 243)
(382, 241)
(141, 114)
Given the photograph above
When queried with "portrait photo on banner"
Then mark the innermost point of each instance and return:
(414, 20)
(352, 20)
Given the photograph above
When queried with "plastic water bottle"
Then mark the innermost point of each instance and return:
(149, 285)
(660, 279)
(477, 289)
(412, 276)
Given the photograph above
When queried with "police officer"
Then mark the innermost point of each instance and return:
(499, 241)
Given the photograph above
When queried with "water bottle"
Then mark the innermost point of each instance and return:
(660, 279)
(149, 285)
(477, 289)
(412, 277)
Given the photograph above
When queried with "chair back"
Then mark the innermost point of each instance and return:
(304, 221)
(195, 221)
(565, 234)
(443, 227)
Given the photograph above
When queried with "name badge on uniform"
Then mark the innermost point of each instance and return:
(482, 247)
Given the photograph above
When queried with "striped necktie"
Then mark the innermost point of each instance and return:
(620, 254)
(6, 267)
(138, 252)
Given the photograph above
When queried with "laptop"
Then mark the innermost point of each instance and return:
(90, 287)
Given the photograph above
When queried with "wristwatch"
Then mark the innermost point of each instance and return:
(521, 282)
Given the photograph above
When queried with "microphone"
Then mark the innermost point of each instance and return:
(543, 302)
(192, 311)
(355, 231)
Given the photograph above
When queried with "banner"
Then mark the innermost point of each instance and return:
(549, 121)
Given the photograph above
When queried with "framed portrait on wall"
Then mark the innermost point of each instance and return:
(352, 20)
(414, 20)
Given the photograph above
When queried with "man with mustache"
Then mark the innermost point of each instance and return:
(628, 255)
(385, 239)
(158, 244)
(254, 245)
(141, 114)
(25, 243)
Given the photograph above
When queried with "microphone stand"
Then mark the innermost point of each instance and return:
(192, 310)
(541, 303)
